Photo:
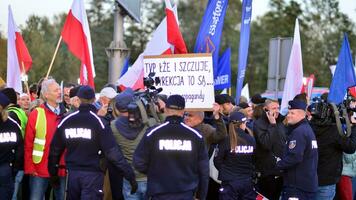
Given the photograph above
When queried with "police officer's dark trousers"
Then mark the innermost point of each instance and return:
(188, 195)
(85, 185)
(237, 190)
(6, 181)
(292, 192)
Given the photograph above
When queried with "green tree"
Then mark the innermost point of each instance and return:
(3, 54)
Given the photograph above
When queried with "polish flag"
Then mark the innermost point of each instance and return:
(18, 56)
(260, 197)
(167, 39)
(77, 36)
(294, 78)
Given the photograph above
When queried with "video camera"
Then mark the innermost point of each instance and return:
(325, 113)
(142, 108)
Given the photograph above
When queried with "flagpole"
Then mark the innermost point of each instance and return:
(26, 83)
(54, 56)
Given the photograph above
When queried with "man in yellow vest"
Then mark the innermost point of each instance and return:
(40, 129)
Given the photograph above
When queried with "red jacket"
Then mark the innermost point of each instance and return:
(41, 168)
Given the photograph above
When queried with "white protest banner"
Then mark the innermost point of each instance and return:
(189, 75)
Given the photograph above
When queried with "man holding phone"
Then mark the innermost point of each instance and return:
(270, 135)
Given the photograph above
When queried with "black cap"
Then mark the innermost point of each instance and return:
(74, 91)
(243, 105)
(223, 98)
(86, 92)
(123, 99)
(4, 101)
(297, 104)
(237, 117)
(176, 102)
(11, 95)
(258, 99)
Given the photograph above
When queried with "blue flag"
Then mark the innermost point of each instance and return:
(223, 80)
(244, 43)
(208, 39)
(126, 66)
(344, 75)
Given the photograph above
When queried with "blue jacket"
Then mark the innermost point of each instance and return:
(86, 141)
(11, 143)
(300, 159)
(238, 163)
(174, 158)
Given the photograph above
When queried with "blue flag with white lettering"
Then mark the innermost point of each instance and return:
(208, 39)
(244, 43)
(223, 80)
(344, 75)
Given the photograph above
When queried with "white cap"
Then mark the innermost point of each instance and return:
(108, 92)
(23, 94)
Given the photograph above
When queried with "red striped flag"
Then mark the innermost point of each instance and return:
(17, 55)
(76, 34)
(166, 39)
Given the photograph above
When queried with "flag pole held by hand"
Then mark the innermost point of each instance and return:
(26, 83)
(54, 56)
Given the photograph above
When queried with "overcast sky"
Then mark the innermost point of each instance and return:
(23, 8)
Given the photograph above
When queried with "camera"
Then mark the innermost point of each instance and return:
(142, 108)
(321, 110)
(326, 113)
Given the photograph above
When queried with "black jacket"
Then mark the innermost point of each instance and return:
(270, 142)
(86, 141)
(174, 158)
(331, 147)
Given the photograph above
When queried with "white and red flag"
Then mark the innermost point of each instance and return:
(260, 197)
(76, 34)
(19, 60)
(294, 78)
(167, 39)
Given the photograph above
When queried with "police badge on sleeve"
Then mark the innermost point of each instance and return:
(292, 144)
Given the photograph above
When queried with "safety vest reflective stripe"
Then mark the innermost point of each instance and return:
(40, 137)
(22, 117)
(40, 141)
(37, 153)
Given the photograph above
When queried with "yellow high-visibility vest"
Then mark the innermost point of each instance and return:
(40, 137)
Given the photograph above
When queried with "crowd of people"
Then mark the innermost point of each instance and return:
(73, 144)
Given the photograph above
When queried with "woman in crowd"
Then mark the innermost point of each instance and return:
(11, 150)
(235, 160)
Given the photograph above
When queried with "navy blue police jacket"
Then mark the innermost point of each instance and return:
(11, 143)
(174, 158)
(300, 160)
(86, 141)
(237, 163)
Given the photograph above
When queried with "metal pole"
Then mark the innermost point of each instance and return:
(117, 51)
(277, 67)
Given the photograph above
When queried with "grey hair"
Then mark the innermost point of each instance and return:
(45, 84)
(269, 101)
(200, 114)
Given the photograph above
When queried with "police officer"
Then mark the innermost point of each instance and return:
(86, 141)
(300, 159)
(174, 157)
(11, 150)
(235, 160)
